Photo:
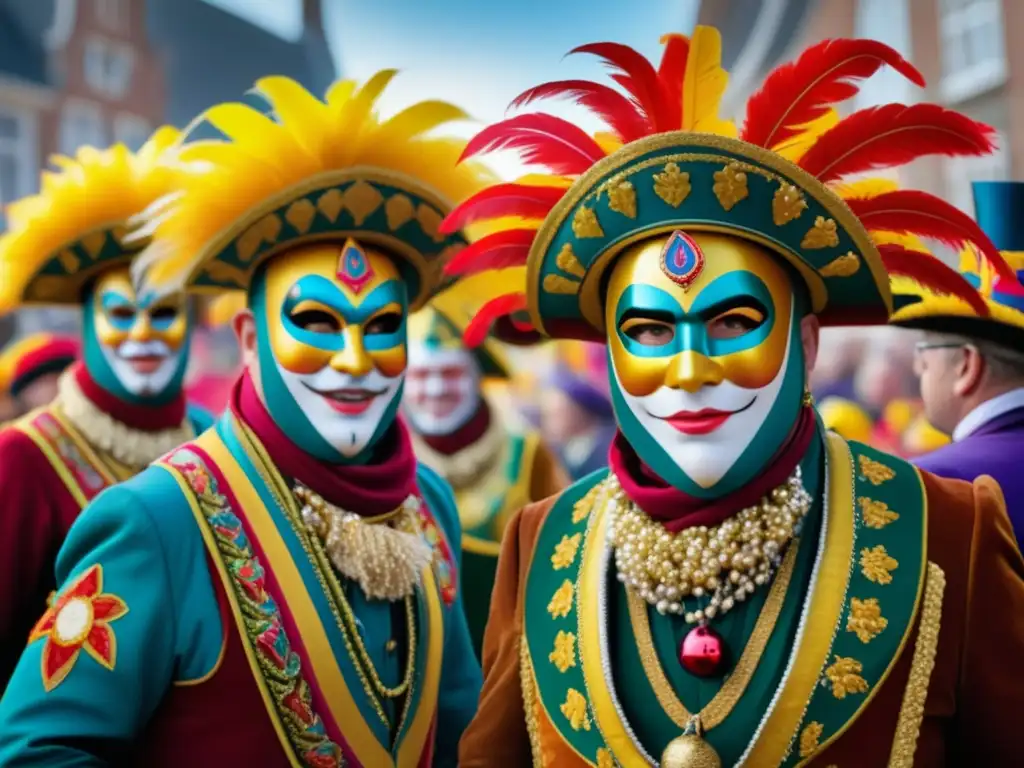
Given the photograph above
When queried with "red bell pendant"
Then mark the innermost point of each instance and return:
(703, 652)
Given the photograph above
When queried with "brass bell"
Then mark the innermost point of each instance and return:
(690, 751)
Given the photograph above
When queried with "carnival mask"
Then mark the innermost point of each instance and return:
(330, 325)
(706, 360)
(442, 387)
(135, 347)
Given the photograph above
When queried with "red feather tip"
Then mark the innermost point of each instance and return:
(671, 73)
(500, 250)
(527, 202)
(638, 76)
(893, 135)
(565, 149)
(801, 91)
(931, 273)
(488, 314)
(919, 213)
(622, 114)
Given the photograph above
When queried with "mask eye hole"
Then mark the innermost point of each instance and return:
(316, 321)
(164, 314)
(387, 322)
(649, 331)
(122, 312)
(735, 322)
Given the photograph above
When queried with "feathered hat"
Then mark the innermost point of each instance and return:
(997, 314)
(34, 356)
(60, 238)
(312, 171)
(668, 161)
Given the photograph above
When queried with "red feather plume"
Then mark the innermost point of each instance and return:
(801, 91)
(671, 73)
(623, 115)
(933, 274)
(500, 250)
(894, 134)
(478, 328)
(638, 76)
(919, 213)
(528, 202)
(543, 139)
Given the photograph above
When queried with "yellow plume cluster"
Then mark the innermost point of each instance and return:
(93, 191)
(266, 159)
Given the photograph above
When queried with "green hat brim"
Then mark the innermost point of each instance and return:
(64, 276)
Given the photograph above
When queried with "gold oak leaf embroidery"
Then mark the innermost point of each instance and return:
(672, 185)
(877, 565)
(564, 655)
(730, 186)
(844, 677)
(821, 235)
(565, 551)
(561, 602)
(622, 199)
(866, 619)
(787, 204)
(874, 471)
(585, 223)
(605, 759)
(846, 265)
(575, 710)
(876, 514)
(809, 738)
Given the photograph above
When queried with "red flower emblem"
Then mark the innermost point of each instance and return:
(79, 618)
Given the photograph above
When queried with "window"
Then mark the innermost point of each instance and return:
(81, 123)
(108, 67)
(112, 14)
(973, 48)
(131, 130)
(18, 160)
(961, 171)
(887, 21)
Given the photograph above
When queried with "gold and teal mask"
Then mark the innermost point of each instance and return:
(706, 360)
(331, 335)
(135, 347)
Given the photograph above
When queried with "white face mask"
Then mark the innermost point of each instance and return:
(144, 368)
(442, 390)
(706, 458)
(350, 414)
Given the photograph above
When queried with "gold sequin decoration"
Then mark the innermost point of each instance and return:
(842, 266)
(562, 285)
(787, 204)
(822, 235)
(266, 230)
(528, 686)
(568, 263)
(605, 759)
(875, 472)
(622, 198)
(908, 726)
(330, 204)
(844, 677)
(810, 737)
(672, 185)
(300, 215)
(866, 619)
(361, 199)
(399, 210)
(561, 601)
(575, 710)
(876, 514)
(564, 654)
(585, 223)
(730, 186)
(565, 551)
(876, 565)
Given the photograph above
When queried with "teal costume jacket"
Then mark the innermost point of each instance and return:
(194, 620)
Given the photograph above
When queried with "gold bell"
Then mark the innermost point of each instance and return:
(690, 750)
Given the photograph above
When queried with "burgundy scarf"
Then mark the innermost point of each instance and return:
(677, 510)
(465, 435)
(145, 418)
(366, 489)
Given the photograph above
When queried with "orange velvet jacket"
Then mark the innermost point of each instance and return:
(975, 694)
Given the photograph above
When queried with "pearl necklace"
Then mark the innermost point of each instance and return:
(728, 561)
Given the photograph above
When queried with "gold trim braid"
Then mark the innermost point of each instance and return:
(908, 727)
(528, 686)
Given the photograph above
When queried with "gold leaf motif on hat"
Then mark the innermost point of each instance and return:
(730, 186)
(873, 471)
(94, 242)
(844, 677)
(876, 565)
(300, 215)
(399, 210)
(672, 185)
(876, 514)
(822, 235)
(605, 759)
(69, 261)
(330, 204)
(564, 654)
(842, 266)
(575, 710)
(266, 230)
(585, 223)
(220, 272)
(561, 601)
(787, 204)
(622, 198)
(560, 285)
(360, 200)
(430, 222)
(810, 737)
(119, 233)
(567, 262)
(866, 619)
(565, 551)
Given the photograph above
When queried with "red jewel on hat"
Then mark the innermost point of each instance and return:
(703, 652)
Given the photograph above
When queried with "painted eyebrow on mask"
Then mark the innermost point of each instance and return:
(638, 313)
(732, 302)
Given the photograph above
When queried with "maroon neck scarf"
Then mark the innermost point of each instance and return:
(369, 489)
(677, 510)
(145, 418)
(465, 435)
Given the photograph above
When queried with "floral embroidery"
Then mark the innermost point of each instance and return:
(605, 759)
(444, 561)
(79, 619)
(844, 677)
(564, 655)
(875, 471)
(876, 565)
(561, 601)
(866, 619)
(86, 476)
(876, 514)
(810, 738)
(575, 710)
(280, 664)
(565, 551)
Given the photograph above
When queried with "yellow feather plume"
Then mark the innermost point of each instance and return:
(704, 84)
(794, 147)
(864, 188)
(93, 191)
(227, 184)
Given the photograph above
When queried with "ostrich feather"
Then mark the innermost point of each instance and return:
(503, 200)
(932, 274)
(499, 250)
(637, 75)
(671, 72)
(540, 139)
(622, 114)
(795, 146)
(485, 317)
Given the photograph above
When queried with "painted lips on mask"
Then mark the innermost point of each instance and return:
(703, 421)
(145, 357)
(348, 401)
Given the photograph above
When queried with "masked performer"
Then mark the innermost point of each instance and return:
(284, 589)
(118, 408)
(493, 471)
(739, 587)
(32, 367)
